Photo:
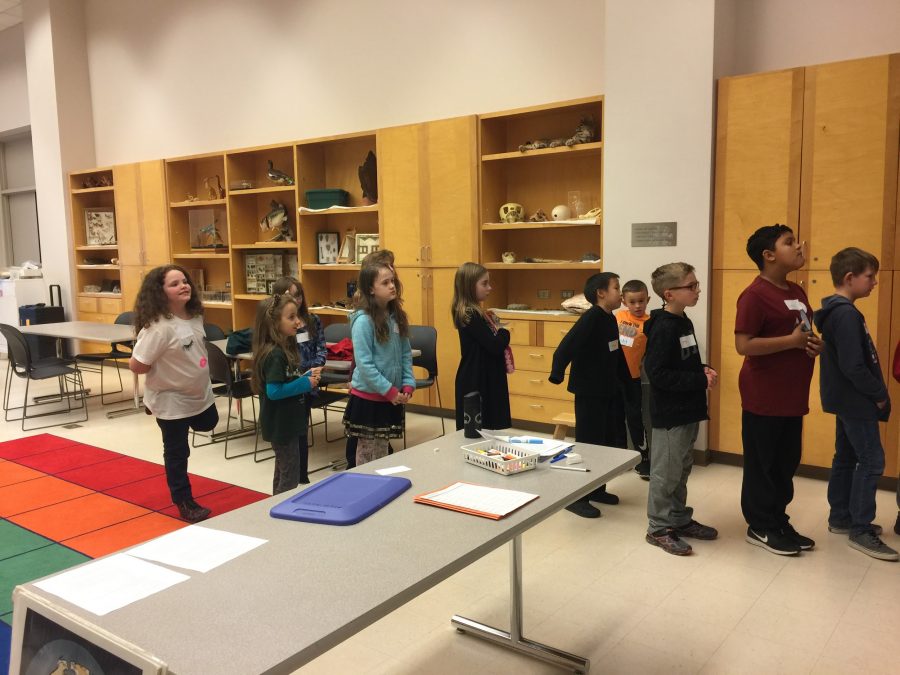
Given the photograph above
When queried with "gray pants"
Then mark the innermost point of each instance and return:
(287, 466)
(670, 466)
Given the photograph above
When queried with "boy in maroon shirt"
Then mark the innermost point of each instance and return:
(773, 333)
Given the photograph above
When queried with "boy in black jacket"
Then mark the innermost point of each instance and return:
(599, 370)
(678, 384)
(852, 387)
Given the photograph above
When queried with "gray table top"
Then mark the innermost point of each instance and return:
(94, 331)
(311, 586)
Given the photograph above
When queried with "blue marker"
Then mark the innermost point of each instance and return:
(560, 456)
(537, 441)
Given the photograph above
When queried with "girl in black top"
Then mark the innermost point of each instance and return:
(486, 358)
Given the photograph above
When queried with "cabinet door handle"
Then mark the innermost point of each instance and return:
(428, 250)
(563, 331)
(535, 356)
(535, 381)
(535, 405)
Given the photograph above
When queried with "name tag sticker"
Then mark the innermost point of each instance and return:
(795, 305)
(302, 337)
(626, 340)
(613, 345)
(687, 341)
(396, 328)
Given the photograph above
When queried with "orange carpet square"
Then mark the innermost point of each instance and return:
(10, 473)
(122, 535)
(116, 472)
(32, 445)
(78, 516)
(69, 457)
(38, 493)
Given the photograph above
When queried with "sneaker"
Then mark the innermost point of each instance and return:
(773, 541)
(602, 496)
(669, 542)
(871, 545)
(845, 529)
(695, 530)
(192, 512)
(805, 543)
(583, 509)
(643, 469)
(896, 525)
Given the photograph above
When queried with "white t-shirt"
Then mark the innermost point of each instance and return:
(177, 384)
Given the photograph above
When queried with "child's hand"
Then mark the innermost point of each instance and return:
(814, 345)
(400, 398)
(799, 337)
(881, 404)
(315, 374)
(712, 377)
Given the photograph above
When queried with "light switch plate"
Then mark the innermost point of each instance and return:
(543, 294)
(565, 295)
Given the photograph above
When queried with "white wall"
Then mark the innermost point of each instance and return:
(171, 77)
(13, 81)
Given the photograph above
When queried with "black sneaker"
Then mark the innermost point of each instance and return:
(584, 509)
(844, 528)
(869, 543)
(192, 512)
(805, 543)
(669, 542)
(602, 496)
(643, 469)
(773, 541)
(695, 530)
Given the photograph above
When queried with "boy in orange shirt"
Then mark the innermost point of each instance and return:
(631, 320)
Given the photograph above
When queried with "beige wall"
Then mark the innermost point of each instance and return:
(13, 81)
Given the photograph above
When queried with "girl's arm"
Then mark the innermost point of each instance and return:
(321, 352)
(409, 380)
(151, 345)
(279, 390)
(137, 367)
(484, 336)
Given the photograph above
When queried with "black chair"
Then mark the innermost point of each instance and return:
(225, 384)
(22, 365)
(213, 332)
(116, 353)
(424, 338)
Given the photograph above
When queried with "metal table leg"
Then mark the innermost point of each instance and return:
(513, 639)
(137, 405)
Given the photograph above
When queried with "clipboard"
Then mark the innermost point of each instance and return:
(433, 498)
(341, 499)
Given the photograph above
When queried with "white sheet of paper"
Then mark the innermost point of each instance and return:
(392, 469)
(548, 446)
(196, 548)
(111, 583)
(480, 498)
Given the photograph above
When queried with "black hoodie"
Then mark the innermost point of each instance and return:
(850, 380)
(673, 366)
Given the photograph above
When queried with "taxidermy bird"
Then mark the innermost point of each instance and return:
(276, 219)
(278, 177)
(368, 179)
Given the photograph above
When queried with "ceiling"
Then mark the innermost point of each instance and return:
(10, 13)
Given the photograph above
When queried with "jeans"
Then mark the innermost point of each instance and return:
(176, 449)
(857, 465)
(670, 465)
(287, 465)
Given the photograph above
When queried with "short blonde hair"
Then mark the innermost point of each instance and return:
(669, 276)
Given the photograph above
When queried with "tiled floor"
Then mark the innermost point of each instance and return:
(595, 588)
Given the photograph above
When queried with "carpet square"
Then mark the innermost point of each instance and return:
(105, 475)
(122, 535)
(153, 493)
(69, 457)
(5, 641)
(32, 445)
(78, 516)
(10, 473)
(17, 540)
(223, 501)
(35, 494)
(34, 565)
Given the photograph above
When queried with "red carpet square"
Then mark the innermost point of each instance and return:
(223, 501)
(36, 494)
(70, 457)
(32, 445)
(122, 535)
(10, 473)
(153, 493)
(105, 475)
(78, 516)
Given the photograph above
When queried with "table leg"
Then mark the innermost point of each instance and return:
(513, 639)
(136, 408)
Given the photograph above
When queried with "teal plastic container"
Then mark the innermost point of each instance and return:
(323, 199)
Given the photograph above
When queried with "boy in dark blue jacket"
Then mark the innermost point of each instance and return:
(852, 387)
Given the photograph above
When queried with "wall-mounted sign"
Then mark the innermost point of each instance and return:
(654, 234)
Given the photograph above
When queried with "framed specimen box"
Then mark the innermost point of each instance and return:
(208, 229)
(366, 243)
(327, 247)
(100, 226)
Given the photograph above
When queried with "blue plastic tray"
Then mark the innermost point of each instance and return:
(341, 499)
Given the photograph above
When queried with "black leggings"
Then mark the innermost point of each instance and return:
(176, 449)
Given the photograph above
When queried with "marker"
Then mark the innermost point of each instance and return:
(558, 457)
(570, 468)
(537, 441)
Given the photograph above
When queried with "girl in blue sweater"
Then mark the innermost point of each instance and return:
(382, 381)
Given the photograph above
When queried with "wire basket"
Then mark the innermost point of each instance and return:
(509, 459)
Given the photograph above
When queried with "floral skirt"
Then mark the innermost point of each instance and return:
(373, 419)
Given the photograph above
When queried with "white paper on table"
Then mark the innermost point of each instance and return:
(196, 548)
(547, 446)
(111, 583)
(392, 469)
(497, 501)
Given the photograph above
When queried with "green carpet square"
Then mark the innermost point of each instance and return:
(33, 565)
(15, 540)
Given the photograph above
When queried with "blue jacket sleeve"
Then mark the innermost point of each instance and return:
(279, 390)
(321, 352)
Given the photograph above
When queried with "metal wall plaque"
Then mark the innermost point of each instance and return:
(654, 234)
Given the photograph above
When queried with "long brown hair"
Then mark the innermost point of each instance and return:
(382, 256)
(464, 302)
(267, 336)
(283, 285)
(368, 274)
(152, 303)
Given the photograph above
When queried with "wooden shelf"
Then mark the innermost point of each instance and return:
(108, 247)
(582, 148)
(262, 190)
(216, 305)
(337, 267)
(82, 191)
(197, 204)
(339, 210)
(546, 225)
(251, 296)
(203, 256)
(543, 266)
(329, 311)
(273, 244)
(112, 296)
(96, 267)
